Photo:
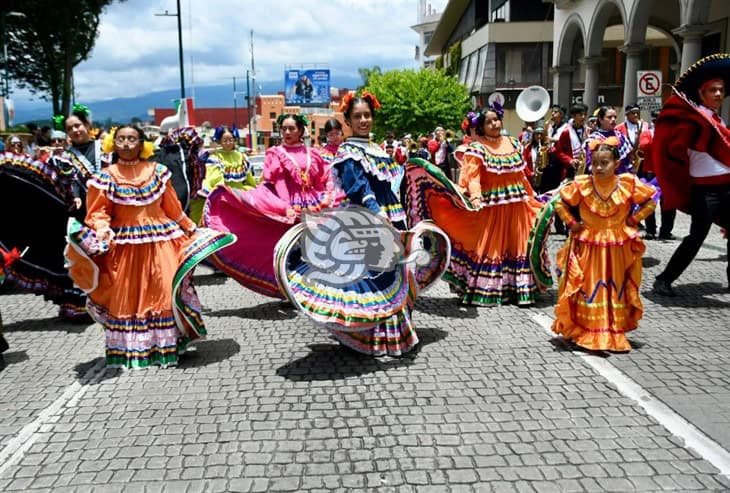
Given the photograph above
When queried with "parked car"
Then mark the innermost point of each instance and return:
(257, 164)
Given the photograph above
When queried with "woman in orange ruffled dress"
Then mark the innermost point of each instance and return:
(489, 227)
(135, 256)
(598, 294)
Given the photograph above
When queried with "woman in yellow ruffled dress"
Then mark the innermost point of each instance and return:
(224, 166)
(598, 294)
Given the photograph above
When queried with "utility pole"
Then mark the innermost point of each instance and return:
(235, 115)
(180, 45)
(248, 105)
(252, 127)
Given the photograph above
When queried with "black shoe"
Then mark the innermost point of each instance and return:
(663, 288)
(667, 236)
(3, 344)
(650, 236)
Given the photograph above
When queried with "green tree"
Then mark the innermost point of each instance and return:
(48, 41)
(366, 73)
(418, 101)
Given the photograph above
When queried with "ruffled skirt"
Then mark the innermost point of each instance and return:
(598, 294)
(490, 261)
(371, 315)
(142, 294)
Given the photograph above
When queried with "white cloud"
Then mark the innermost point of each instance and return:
(137, 52)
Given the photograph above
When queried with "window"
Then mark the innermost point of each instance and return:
(272, 115)
(462, 69)
(481, 59)
(471, 72)
(519, 64)
(427, 38)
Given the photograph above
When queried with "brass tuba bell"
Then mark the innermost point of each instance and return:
(532, 103)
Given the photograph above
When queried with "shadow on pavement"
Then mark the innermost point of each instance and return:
(647, 262)
(208, 353)
(562, 345)
(51, 323)
(693, 295)
(82, 371)
(213, 279)
(445, 307)
(335, 361)
(11, 358)
(274, 310)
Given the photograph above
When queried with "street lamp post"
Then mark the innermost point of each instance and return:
(180, 45)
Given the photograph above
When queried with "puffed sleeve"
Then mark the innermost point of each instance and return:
(569, 197)
(213, 178)
(319, 174)
(470, 176)
(250, 181)
(356, 185)
(643, 197)
(99, 208)
(274, 173)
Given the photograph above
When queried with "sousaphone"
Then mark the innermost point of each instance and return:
(532, 103)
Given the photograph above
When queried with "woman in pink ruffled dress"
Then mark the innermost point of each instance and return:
(295, 178)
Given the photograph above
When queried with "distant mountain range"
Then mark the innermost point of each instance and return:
(125, 109)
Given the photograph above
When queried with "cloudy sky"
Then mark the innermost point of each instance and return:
(137, 52)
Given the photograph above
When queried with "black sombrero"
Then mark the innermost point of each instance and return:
(715, 66)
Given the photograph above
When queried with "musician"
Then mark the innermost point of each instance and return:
(691, 153)
(533, 153)
(440, 149)
(568, 150)
(648, 174)
(634, 129)
(557, 122)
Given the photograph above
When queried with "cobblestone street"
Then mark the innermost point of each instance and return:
(489, 402)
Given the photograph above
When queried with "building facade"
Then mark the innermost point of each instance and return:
(601, 44)
(426, 21)
(503, 46)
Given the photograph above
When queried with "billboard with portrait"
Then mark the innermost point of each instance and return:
(310, 87)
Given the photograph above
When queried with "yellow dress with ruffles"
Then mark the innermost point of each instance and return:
(600, 266)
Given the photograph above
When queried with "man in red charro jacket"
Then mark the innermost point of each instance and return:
(691, 156)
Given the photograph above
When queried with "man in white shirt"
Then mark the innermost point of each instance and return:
(691, 154)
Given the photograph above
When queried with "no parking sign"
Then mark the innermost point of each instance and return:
(649, 89)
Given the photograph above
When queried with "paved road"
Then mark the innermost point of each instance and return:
(489, 402)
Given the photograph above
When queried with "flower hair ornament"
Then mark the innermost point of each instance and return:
(366, 95)
(107, 144)
(57, 121)
(218, 134)
(471, 120)
(81, 109)
(611, 142)
(300, 119)
(497, 108)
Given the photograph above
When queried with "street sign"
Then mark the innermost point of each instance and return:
(648, 83)
(650, 104)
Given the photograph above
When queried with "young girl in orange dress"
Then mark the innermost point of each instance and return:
(598, 294)
(135, 256)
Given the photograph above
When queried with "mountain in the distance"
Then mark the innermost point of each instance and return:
(124, 109)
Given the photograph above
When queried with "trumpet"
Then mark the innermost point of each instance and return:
(449, 135)
(541, 164)
(413, 147)
(637, 159)
(580, 169)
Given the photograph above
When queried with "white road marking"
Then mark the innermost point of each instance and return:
(693, 437)
(16, 448)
